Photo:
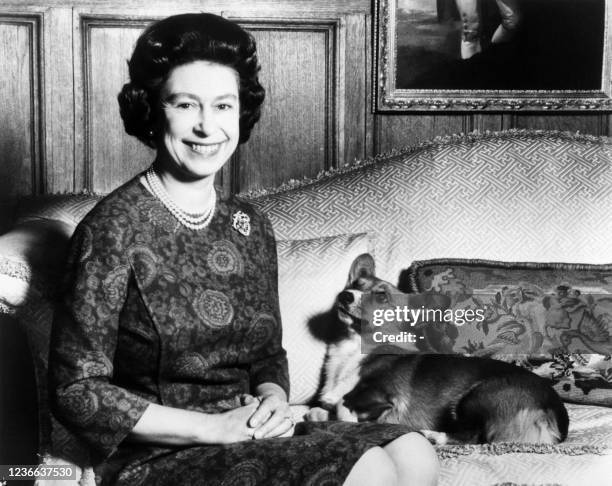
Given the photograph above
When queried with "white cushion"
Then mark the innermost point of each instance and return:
(311, 273)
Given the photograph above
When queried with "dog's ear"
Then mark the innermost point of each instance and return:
(363, 266)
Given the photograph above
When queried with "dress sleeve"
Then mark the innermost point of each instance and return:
(272, 367)
(83, 341)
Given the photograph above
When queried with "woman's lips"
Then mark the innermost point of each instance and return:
(204, 149)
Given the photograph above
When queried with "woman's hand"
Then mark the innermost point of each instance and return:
(234, 424)
(273, 415)
(160, 424)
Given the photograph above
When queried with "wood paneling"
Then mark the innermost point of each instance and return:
(20, 105)
(596, 124)
(395, 131)
(295, 135)
(356, 123)
(110, 156)
(398, 130)
(486, 122)
(59, 101)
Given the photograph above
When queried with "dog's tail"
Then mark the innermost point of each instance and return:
(519, 408)
(528, 425)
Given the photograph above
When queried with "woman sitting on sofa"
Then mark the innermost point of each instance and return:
(166, 352)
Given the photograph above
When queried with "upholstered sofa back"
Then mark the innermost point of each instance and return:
(515, 196)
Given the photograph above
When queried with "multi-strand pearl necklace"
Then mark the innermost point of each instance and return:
(191, 221)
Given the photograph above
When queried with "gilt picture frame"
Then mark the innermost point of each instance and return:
(492, 55)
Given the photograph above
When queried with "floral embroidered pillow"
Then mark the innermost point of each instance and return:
(554, 318)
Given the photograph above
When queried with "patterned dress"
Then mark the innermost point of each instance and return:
(156, 313)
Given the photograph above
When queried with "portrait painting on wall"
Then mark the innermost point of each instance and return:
(492, 55)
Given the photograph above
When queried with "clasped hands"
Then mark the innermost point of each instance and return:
(260, 417)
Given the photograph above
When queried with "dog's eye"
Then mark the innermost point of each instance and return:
(381, 297)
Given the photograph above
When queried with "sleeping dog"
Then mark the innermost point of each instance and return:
(449, 398)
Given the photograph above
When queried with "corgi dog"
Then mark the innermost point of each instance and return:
(451, 399)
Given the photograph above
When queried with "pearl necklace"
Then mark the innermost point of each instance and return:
(191, 221)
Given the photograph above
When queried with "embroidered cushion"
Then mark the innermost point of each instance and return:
(555, 317)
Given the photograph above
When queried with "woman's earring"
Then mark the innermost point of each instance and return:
(151, 133)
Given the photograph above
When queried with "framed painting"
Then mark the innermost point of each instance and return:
(492, 55)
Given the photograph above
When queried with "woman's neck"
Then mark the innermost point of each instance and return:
(192, 195)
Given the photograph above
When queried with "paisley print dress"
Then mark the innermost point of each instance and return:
(156, 313)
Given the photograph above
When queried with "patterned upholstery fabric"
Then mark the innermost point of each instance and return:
(513, 196)
(310, 275)
(68, 208)
(560, 311)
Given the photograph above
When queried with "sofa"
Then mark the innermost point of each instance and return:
(518, 223)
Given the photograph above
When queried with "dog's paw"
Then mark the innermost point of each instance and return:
(317, 414)
(330, 399)
(345, 414)
(436, 438)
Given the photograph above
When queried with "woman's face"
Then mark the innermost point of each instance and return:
(200, 104)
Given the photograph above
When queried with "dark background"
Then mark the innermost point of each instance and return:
(559, 46)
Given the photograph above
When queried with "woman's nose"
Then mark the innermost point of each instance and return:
(206, 123)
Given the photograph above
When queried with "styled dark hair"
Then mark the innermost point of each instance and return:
(182, 39)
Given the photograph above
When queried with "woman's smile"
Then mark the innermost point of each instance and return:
(204, 149)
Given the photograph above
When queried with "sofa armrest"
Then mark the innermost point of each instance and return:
(29, 252)
(84, 477)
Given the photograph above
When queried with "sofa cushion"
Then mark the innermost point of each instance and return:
(557, 317)
(311, 273)
(578, 378)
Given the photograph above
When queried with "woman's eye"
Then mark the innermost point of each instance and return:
(185, 106)
(224, 106)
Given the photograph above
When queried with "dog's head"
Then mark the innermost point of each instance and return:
(361, 279)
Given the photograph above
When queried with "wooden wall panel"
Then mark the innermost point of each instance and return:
(396, 131)
(356, 122)
(595, 124)
(399, 130)
(484, 122)
(20, 105)
(294, 135)
(59, 101)
(110, 156)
